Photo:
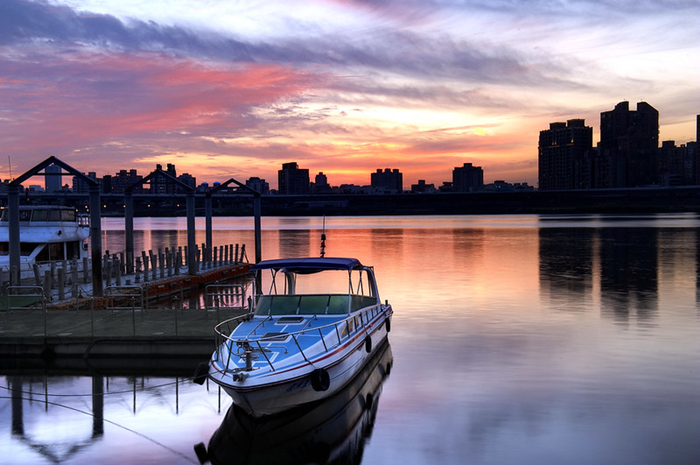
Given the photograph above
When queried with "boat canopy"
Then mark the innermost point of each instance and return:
(302, 265)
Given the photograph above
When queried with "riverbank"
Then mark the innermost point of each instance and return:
(600, 201)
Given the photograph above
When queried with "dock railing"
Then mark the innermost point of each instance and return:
(25, 299)
(122, 312)
(330, 335)
(226, 296)
(125, 298)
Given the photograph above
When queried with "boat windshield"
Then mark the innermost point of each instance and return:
(317, 292)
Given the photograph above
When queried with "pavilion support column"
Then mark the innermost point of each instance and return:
(208, 222)
(257, 209)
(96, 240)
(258, 239)
(129, 230)
(13, 211)
(191, 239)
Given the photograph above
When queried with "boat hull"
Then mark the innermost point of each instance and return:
(296, 386)
(331, 430)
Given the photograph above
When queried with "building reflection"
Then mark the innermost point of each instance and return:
(386, 243)
(566, 266)
(468, 247)
(297, 243)
(629, 272)
(697, 268)
(619, 266)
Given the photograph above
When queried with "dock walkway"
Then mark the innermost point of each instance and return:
(119, 325)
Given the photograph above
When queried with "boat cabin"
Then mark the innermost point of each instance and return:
(47, 233)
(320, 286)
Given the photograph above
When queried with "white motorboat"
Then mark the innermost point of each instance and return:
(304, 339)
(47, 234)
(333, 430)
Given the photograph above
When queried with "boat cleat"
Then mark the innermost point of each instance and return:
(240, 377)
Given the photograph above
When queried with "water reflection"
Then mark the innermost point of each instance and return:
(332, 431)
(520, 340)
(296, 243)
(51, 450)
(628, 272)
(79, 412)
(620, 264)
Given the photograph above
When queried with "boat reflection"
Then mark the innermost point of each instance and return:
(331, 431)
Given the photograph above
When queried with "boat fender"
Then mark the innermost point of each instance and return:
(387, 322)
(369, 401)
(201, 451)
(320, 380)
(368, 344)
(200, 373)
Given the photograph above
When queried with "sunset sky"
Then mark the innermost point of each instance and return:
(227, 88)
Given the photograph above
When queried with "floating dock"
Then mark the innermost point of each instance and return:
(123, 323)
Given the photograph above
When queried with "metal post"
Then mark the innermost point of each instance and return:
(191, 239)
(13, 205)
(96, 240)
(129, 230)
(97, 406)
(208, 220)
(257, 212)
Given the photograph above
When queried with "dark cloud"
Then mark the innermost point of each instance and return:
(556, 7)
(390, 51)
(26, 21)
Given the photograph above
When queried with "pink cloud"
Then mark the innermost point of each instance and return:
(58, 101)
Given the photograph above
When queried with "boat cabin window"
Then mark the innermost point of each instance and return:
(54, 215)
(42, 214)
(68, 215)
(51, 252)
(25, 249)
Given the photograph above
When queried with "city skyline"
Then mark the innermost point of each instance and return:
(340, 87)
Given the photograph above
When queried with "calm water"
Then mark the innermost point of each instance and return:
(516, 340)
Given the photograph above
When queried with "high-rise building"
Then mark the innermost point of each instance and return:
(389, 181)
(53, 178)
(565, 156)
(629, 142)
(258, 185)
(123, 179)
(80, 186)
(292, 180)
(321, 185)
(161, 184)
(467, 178)
(422, 187)
(187, 179)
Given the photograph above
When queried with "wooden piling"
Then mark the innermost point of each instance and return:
(61, 283)
(145, 266)
(137, 271)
